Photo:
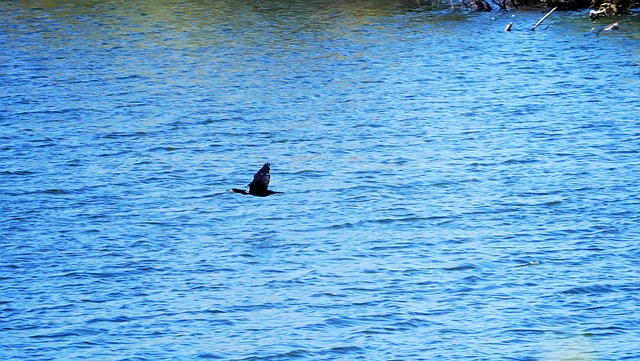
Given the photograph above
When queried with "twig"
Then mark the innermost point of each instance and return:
(543, 18)
(614, 26)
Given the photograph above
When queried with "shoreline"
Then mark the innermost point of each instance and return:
(601, 8)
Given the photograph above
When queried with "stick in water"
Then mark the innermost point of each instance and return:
(543, 18)
(508, 27)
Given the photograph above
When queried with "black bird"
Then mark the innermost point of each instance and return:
(260, 183)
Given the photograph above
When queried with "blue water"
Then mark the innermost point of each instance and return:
(451, 191)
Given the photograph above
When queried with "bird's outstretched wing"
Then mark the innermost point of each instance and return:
(261, 180)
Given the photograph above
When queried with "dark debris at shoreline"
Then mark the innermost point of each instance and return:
(599, 8)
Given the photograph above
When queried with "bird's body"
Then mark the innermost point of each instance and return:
(260, 184)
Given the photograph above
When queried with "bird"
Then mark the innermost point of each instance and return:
(258, 187)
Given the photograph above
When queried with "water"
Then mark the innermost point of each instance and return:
(452, 191)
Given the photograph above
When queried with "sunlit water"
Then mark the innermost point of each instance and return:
(451, 191)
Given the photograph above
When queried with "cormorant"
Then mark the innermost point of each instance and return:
(258, 187)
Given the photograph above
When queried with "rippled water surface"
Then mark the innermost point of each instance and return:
(451, 191)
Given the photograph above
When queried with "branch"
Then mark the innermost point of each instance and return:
(543, 18)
